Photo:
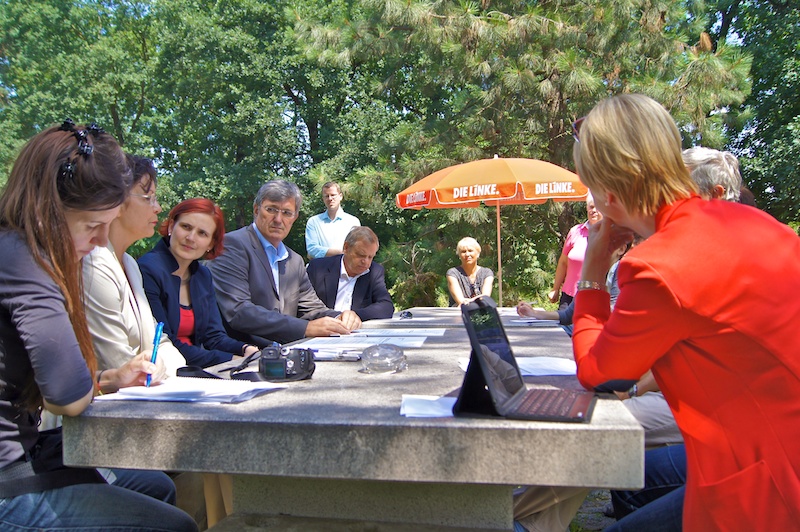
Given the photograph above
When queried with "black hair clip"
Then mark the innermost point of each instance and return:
(68, 125)
(95, 130)
(66, 171)
(84, 148)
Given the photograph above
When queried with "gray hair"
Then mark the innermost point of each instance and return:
(710, 168)
(279, 191)
(360, 233)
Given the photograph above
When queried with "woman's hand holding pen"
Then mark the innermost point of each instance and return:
(133, 373)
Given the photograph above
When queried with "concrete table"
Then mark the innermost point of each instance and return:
(336, 447)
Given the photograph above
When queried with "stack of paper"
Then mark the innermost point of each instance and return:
(190, 389)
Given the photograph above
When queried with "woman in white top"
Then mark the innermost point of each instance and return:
(119, 316)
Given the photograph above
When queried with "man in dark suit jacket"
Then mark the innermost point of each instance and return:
(262, 287)
(351, 281)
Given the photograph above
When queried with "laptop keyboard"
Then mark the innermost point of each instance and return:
(548, 402)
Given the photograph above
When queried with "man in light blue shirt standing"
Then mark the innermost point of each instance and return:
(326, 231)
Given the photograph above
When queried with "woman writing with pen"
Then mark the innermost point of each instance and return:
(61, 196)
(119, 316)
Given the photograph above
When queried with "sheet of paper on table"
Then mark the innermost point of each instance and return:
(349, 347)
(537, 366)
(194, 390)
(359, 341)
(399, 332)
(427, 406)
(535, 322)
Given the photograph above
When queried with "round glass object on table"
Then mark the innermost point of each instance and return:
(383, 358)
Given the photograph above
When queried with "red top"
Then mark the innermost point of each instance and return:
(186, 325)
(711, 302)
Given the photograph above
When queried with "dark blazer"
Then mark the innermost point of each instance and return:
(253, 310)
(212, 345)
(371, 299)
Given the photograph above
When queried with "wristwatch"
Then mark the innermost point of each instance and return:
(590, 285)
(634, 391)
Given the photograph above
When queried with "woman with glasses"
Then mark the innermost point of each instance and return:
(119, 316)
(468, 280)
(696, 308)
(63, 192)
(180, 289)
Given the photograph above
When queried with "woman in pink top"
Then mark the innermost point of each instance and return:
(570, 263)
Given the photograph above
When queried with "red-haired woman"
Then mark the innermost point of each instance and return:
(180, 289)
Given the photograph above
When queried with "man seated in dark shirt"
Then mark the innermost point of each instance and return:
(351, 281)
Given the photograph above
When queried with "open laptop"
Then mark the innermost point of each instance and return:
(493, 384)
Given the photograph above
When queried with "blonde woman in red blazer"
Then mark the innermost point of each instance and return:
(710, 301)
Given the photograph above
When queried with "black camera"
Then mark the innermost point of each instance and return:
(286, 364)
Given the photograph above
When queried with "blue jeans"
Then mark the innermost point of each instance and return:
(659, 505)
(92, 507)
(155, 484)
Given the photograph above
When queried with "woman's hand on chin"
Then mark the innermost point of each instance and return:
(605, 238)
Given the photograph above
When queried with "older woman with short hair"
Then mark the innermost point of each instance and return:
(694, 306)
(468, 280)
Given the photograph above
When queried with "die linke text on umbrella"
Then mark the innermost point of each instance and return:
(554, 187)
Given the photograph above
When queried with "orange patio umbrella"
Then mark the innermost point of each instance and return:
(498, 182)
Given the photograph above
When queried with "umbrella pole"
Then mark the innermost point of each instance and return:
(499, 264)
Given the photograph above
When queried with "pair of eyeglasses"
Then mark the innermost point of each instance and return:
(151, 198)
(406, 315)
(273, 211)
(576, 128)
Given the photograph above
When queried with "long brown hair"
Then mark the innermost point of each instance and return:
(66, 167)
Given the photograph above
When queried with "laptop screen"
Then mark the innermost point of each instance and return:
(499, 363)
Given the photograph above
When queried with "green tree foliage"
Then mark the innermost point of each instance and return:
(86, 60)
(468, 80)
(769, 145)
(375, 94)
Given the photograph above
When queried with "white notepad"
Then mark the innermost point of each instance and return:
(195, 390)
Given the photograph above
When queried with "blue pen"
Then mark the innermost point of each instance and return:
(156, 340)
